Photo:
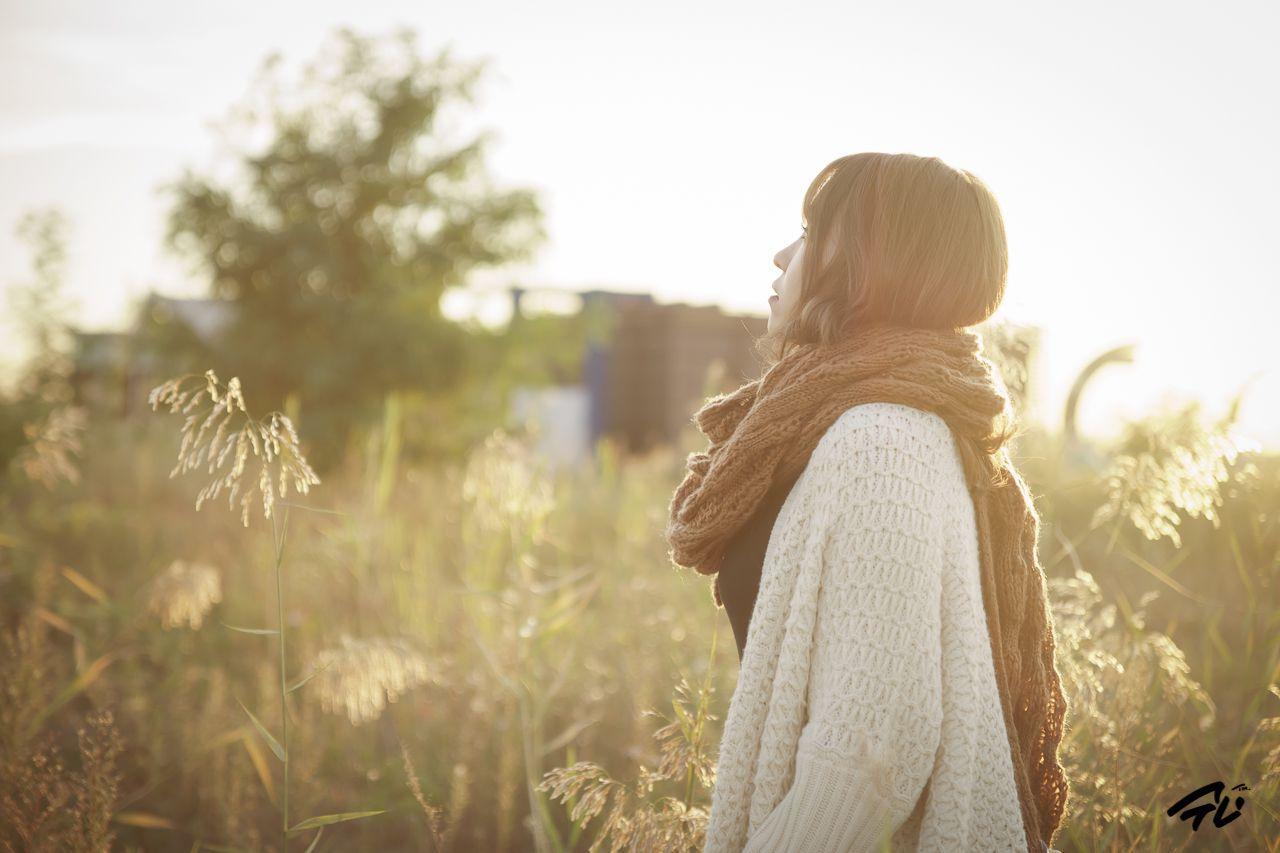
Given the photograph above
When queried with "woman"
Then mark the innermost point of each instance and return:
(897, 679)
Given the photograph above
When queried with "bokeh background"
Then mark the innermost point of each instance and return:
(428, 297)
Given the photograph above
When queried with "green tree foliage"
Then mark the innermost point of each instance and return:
(42, 383)
(339, 238)
(43, 308)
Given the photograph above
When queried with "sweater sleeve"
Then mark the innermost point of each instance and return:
(874, 713)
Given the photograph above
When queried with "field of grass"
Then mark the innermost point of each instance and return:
(478, 654)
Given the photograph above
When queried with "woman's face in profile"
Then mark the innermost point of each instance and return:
(790, 260)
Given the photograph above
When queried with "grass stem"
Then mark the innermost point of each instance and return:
(284, 690)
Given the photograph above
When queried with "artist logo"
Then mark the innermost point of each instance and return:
(1218, 807)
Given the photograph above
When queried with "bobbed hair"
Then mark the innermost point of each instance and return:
(917, 243)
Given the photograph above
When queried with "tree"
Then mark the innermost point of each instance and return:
(35, 414)
(338, 241)
(42, 308)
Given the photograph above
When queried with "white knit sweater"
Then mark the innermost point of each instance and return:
(866, 709)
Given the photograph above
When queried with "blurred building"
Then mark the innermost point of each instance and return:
(103, 376)
(643, 376)
(111, 373)
(646, 369)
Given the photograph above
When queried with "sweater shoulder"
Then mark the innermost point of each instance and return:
(889, 435)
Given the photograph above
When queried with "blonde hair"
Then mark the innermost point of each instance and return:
(917, 242)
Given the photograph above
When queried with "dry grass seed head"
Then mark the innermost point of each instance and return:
(360, 677)
(185, 593)
(213, 443)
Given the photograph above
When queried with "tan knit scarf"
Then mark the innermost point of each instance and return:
(763, 433)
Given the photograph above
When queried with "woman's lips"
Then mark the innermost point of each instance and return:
(773, 299)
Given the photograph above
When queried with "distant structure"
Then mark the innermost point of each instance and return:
(102, 373)
(643, 375)
(644, 379)
(108, 373)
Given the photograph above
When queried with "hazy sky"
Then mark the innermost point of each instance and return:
(1131, 147)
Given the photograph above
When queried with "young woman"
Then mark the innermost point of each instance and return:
(873, 544)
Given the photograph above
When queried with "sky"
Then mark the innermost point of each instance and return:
(1130, 147)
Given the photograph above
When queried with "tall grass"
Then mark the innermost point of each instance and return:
(219, 433)
(484, 644)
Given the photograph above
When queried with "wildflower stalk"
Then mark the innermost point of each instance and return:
(704, 699)
(209, 441)
(284, 690)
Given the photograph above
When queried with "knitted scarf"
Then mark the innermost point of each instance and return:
(764, 432)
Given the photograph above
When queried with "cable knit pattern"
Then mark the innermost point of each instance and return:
(866, 706)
